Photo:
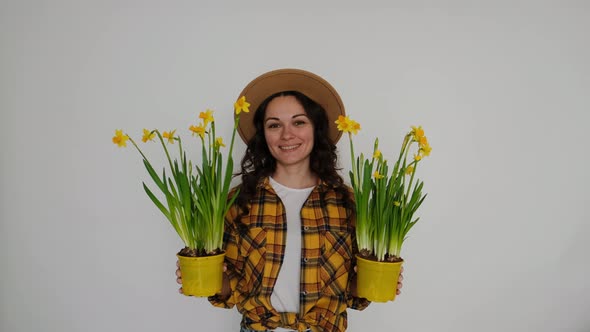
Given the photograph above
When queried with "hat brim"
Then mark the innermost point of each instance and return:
(311, 85)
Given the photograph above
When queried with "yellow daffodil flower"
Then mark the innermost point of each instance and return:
(423, 141)
(417, 133)
(377, 154)
(242, 105)
(378, 176)
(409, 170)
(219, 142)
(343, 123)
(169, 135)
(120, 139)
(354, 127)
(148, 135)
(207, 117)
(199, 130)
(426, 150)
(417, 157)
(347, 125)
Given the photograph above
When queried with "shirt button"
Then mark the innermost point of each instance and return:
(306, 228)
(305, 259)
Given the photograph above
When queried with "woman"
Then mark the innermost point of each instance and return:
(290, 237)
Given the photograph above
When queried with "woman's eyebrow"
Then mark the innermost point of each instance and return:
(293, 117)
(298, 115)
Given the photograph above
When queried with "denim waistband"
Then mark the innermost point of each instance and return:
(245, 329)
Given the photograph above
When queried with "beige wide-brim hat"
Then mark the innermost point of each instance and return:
(310, 84)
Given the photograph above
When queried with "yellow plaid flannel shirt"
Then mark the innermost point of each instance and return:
(254, 258)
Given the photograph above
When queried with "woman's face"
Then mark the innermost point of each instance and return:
(288, 132)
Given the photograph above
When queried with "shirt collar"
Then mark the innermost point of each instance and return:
(264, 183)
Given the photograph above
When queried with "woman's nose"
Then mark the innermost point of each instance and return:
(287, 132)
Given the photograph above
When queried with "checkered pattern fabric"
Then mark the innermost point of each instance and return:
(254, 257)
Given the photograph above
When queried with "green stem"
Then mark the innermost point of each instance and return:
(415, 162)
(233, 136)
(209, 138)
(166, 151)
(138, 149)
(215, 153)
(354, 166)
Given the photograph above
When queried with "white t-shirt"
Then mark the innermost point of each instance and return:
(285, 295)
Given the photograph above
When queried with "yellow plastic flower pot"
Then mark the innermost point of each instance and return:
(377, 281)
(201, 276)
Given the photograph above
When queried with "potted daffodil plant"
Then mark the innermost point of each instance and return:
(386, 199)
(194, 199)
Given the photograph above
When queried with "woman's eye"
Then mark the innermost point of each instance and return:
(299, 123)
(273, 125)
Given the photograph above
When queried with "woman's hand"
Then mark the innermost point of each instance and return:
(179, 277)
(399, 281)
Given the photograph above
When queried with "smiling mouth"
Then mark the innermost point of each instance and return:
(289, 147)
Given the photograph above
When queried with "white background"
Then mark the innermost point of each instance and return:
(501, 88)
